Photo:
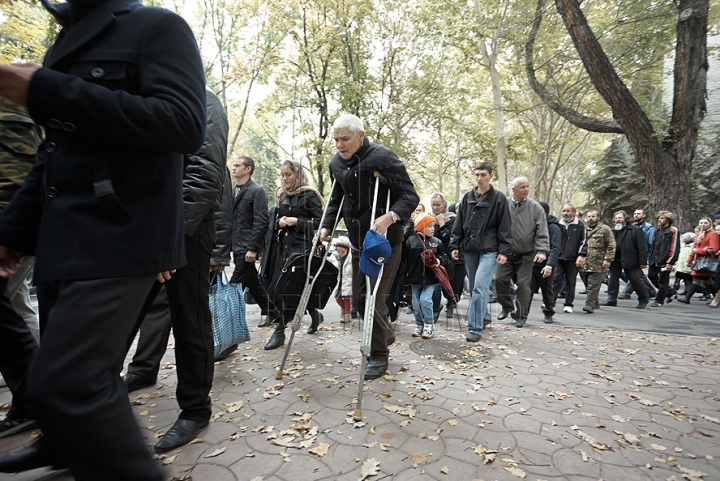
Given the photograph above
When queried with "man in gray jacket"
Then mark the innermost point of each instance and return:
(530, 244)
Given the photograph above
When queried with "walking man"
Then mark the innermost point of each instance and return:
(600, 253)
(354, 168)
(482, 229)
(572, 246)
(530, 243)
(639, 221)
(663, 255)
(542, 275)
(631, 257)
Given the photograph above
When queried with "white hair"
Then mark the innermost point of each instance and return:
(350, 122)
(516, 181)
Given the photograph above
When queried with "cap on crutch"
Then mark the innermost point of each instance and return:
(376, 250)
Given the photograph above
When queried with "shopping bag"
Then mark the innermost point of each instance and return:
(227, 306)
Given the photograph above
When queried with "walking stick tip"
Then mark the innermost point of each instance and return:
(279, 375)
(357, 416)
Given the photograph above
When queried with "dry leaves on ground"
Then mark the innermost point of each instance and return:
(371, 467)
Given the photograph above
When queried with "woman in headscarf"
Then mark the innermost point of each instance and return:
(297, 217)
(707, 244)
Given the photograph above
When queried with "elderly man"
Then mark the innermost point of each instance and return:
(121, 96)
(630, 256)
(354, 167)
(600, 253)
(530, 243)
(482, 230)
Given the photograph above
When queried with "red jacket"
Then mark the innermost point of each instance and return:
(708, 246)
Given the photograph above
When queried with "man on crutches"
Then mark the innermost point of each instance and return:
(355, 167)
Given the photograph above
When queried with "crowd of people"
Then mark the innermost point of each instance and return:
(117, 204)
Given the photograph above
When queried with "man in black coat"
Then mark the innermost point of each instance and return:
(572, 246)
(354, 167)
(542, 276)
(121, 96)
(250, 223)
(663, 255)
(631, 257)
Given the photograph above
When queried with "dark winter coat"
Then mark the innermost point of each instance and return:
(574, 242)
(356, 183)
(250, 218)
(223, 225)
(417, 272)
(630, 250)
(121, 96)
(555, 234)
(482, 227)
(308, 209)
(665, 247)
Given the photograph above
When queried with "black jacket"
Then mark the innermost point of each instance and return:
(483, 227)
(574, 242)
(630, 248)
(356, 182)
(555, 234)
(223, 225)
(665, 247)
(417, 272)
(250, 218)
(121, 96)
(308, 209)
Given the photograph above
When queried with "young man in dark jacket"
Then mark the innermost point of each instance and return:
(663, 255)
(356, 167)
(572, 246)
(631, 257)
(482, 230)
(542, 275)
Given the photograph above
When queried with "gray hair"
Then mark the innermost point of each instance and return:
(350, 122)
(516, 181)
(572, 207)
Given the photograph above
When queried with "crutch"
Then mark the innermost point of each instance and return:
(369, 310)
(309, 282)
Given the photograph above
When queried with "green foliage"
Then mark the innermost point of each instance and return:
(26, 33)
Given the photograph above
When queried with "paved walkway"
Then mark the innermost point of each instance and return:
(605, 396)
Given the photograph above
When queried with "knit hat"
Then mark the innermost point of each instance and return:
(342, 241)
(422, 221)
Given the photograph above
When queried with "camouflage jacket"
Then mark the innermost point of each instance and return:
(19, 140)
(601, 247)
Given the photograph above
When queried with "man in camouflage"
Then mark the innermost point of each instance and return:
(19, 139)
(600, 253)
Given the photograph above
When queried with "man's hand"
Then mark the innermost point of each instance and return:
(580, 261)
(501, 259)
(546, 271)
(643, 267)
(455, 254)
(539, 258)
(606, 264)
(325, 235)
(9, 261)
(165, 276)
(217, 268)
(382, 223)
(250, 256)
(15, 81)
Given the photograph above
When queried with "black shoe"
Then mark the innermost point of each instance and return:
(584, 291)
(503, 315)
(354, 313)
(265, 321)
(561, 295)
(181, 433)
(642, 305)
(548, 320)
(473, 336)
(609, 303)
(656, 304)
(450, 310)
(375, 368)
(704, 298)
(487, 321)
(317, 319)
(136, 381)
(588, 309)
(16, 421)
(436, 316)
(492, 300)
(224, 355)
(520, 322)
(625, 296)
(653, 294)
(276, 340)
(30, 457)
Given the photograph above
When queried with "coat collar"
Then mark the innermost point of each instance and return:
(82, 33)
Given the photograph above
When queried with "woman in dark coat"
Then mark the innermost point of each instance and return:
(297, 217)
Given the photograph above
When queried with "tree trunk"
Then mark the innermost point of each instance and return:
(498, 116)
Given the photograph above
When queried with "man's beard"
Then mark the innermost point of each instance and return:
(568, 219)
(592, 224)
(619, 226)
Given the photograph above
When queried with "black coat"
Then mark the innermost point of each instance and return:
(483, 227)
(121, 96)
(555, 234)
(223, 225)
(356, 183)
(417, 272)
(630, 248)
(665, 247)
(250, 218)
(307, 207)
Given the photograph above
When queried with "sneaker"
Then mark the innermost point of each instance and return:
(409, 310)
(588, 309)
(520, 322)
(548, 320)
(427, 331)
(473, 336)
(656, 304)
(567, 309)
(14, 423)
(417, 332)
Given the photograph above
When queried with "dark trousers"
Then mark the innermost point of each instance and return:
(661, 280)
(636, 277)
(73, 385)
(382, 328)
(546, 288)
(518, 267)
(17, 346)
(186, 309)
(567, 271)
(246, 274)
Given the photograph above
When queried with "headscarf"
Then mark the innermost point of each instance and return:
(444, 202)
(301, 183)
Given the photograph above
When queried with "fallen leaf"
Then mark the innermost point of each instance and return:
(444, 470)
(658, 447)
(169, 459)
(516, 471)
(452, 422)
(217, 452)
(371, 467)
(197, 441)
(418, 459)
(708, 418)
(234, 407)
(631, 438)
(408, 411)
(321, 450)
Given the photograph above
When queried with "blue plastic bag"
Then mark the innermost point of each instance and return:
(227, 306)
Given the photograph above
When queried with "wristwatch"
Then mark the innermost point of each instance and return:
(395, 217)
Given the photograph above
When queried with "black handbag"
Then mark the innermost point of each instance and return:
(288, 287)
(706, 265)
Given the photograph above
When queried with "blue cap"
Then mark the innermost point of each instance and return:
(376, 251)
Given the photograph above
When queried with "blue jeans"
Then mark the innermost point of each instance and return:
(480, 269)
(422, 299)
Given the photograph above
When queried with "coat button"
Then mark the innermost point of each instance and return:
(52, 192)
(55, 124)
(50, 147)
(97, 72)
(69, 127)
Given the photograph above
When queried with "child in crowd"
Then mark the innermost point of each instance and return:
(682, 270)
(421, 277)
(342, 259)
